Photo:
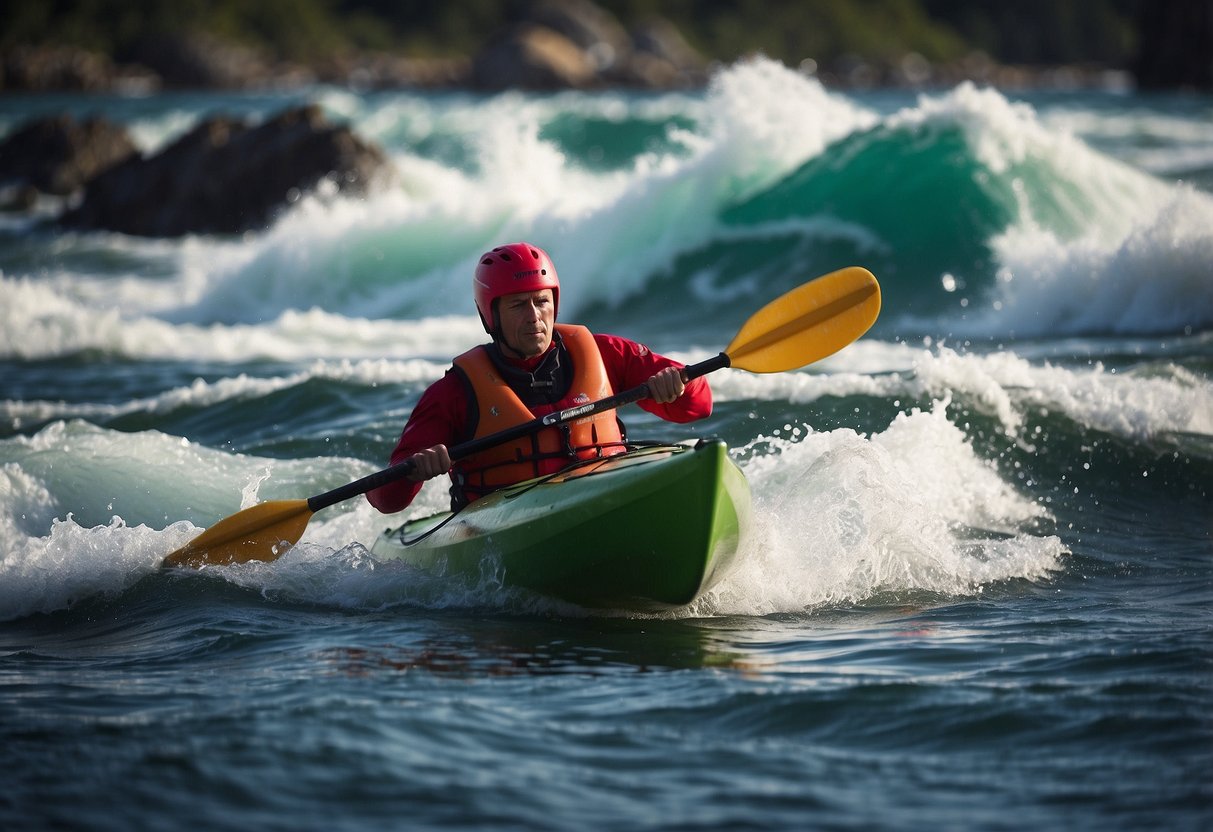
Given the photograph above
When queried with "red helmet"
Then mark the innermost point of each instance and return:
(517, 267)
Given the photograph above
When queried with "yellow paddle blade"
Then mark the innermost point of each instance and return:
(808, 323)
(261, 532)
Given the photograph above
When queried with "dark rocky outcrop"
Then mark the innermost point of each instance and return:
(226, 176)
(58, 154)
(592, 29)
(531, 57)
(661, 58)
(553, 45)
(577, 44)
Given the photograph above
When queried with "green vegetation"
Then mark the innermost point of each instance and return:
(1026, 31)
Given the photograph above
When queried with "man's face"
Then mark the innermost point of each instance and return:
(526, 320)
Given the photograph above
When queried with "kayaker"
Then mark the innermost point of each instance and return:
(533, 366)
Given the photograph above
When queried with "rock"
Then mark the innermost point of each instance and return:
(662, 58)
(552, 45)
(531, 57)
(58, 155)
(577, 44)
(227, 177)
(591, 28)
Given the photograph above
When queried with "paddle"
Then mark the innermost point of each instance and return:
(804, 325)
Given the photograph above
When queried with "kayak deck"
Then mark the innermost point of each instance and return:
(650, 529)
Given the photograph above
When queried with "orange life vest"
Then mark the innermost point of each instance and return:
(549, 450)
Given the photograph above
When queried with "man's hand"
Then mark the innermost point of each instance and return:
(666, 385)
(430, 463)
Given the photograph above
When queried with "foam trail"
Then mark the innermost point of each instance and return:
(1158, 402)
(20, 414)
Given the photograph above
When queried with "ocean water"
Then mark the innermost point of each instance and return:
(979, 589)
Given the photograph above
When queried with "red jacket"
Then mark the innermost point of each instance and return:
(442, 414)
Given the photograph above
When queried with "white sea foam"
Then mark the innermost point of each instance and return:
(1098, 246)
(86, 511)
(841, 518)
(73, 562)
(837, 519)
(50, 557)
(1155, 277)
(1150, 404)
(149, 477)
(40, 322)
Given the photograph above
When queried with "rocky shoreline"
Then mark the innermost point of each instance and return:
(529, 58)
(560, 44)
(557, 45)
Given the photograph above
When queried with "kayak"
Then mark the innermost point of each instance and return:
(650, 529)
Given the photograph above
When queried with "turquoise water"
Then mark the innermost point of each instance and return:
(977, 594)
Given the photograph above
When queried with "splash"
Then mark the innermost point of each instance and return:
(43, 574)
(1152, 278)
(843, 519)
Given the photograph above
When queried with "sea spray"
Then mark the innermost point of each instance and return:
(44, 574)
(980, 220)
(842, 518)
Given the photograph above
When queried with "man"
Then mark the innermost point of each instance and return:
(533, 367)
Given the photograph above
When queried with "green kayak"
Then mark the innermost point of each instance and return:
(651, 529)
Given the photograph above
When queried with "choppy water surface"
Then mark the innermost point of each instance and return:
(978, 591)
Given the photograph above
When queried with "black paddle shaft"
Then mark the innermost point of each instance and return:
(403, 469)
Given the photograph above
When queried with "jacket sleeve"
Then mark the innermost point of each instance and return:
(629, 363)
(438, 419)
